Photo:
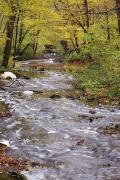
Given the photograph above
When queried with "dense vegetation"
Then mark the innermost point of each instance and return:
(85, 31)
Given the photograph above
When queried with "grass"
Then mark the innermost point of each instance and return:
(98, 78)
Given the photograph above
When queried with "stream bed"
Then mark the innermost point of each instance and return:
(66, 136)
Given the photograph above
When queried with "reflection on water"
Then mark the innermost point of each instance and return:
(59, 133)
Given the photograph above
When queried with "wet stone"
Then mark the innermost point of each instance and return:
(35, 164)
(3, 148)
(91, 119)
(71, 97)
(117, 127)
(50, 163)
(112, 110)
(4, 110)
(83, 116)
(55, 96)
(77, 144)
(4, 114)
(112, 129)
(11, 176)
(92, 112)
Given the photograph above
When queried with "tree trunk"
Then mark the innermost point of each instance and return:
(35, 42)
(15, 42)
(118, 14)
(25, 48)
(108, 27)
(9, 34)
(76, 43)
(64, 45)
(86, 9)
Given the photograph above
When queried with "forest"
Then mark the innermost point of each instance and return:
(59, 89)
(82, 31)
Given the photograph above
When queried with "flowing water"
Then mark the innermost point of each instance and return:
(56, 131)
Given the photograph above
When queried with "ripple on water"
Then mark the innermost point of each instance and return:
(60, 130)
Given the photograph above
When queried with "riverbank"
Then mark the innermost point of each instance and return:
(93, 86)
(10, 167)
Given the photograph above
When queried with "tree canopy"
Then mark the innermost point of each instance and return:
(35, 23)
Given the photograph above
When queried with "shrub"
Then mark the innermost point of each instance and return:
(73, 56)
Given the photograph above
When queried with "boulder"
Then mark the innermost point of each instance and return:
(8, 75)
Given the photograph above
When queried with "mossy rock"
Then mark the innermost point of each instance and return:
(55, 96)
(11, 176)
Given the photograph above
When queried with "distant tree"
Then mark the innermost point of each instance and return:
(118, 13)
(9, 34)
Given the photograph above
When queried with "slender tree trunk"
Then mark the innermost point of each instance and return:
(108, 27)
(1, 20)
(76, 43)
(64, 45)
(35, 42)
(16, 34)
(8, 45)
(73, 44)
(118, 14)
(86, 9)
(35, 49)
(25, 48)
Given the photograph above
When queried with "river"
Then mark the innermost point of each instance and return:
(64, 134)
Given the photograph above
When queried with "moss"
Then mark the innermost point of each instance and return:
(11, 176)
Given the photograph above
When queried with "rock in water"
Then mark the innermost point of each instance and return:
(5, 142)
(11, 176)
(55, 96)
(92, 112)
(51, 60)
(28, 93)
(7, 75)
